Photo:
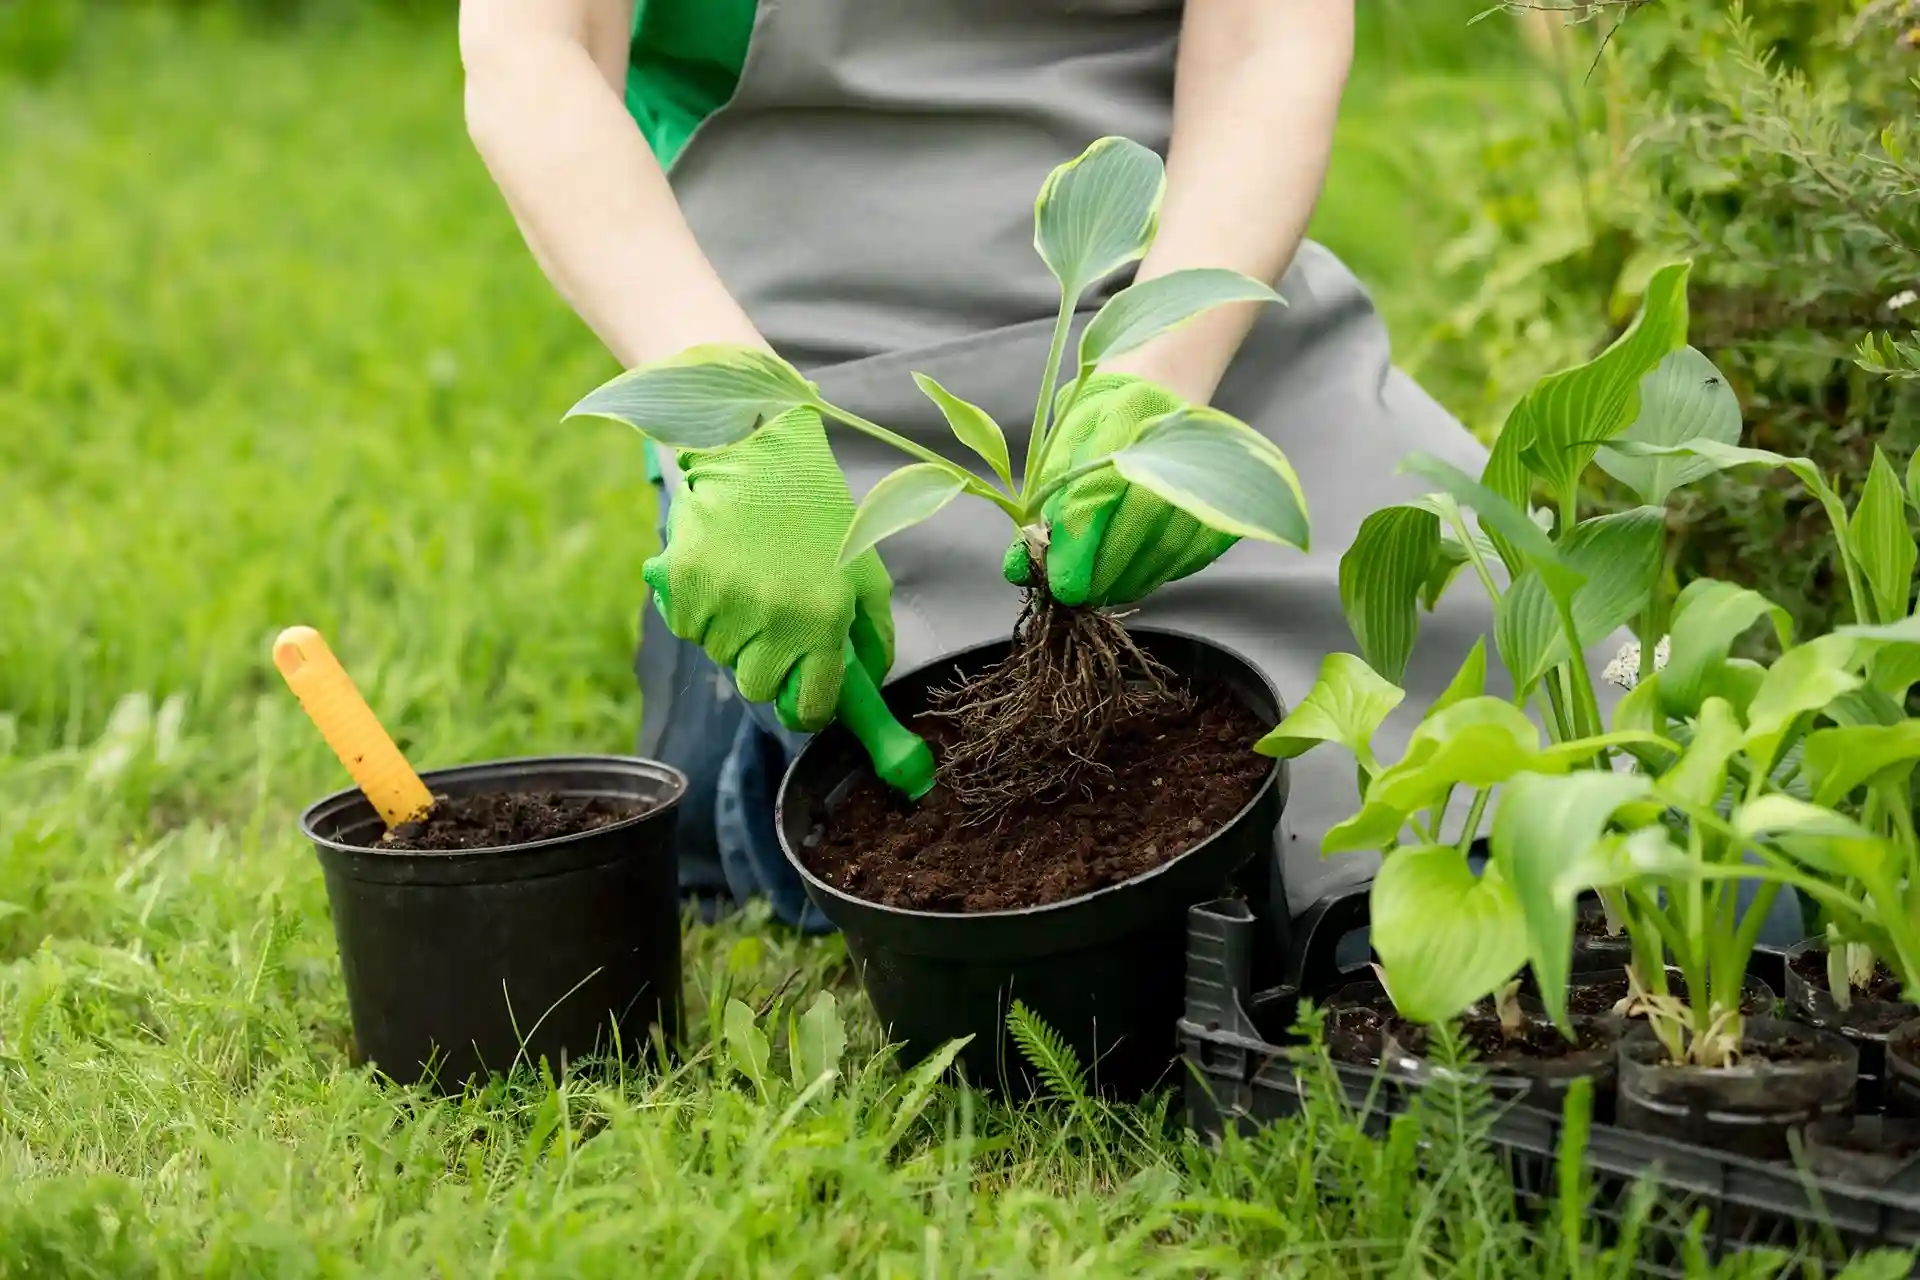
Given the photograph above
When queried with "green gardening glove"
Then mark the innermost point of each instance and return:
(1109, 542)
(750, 570)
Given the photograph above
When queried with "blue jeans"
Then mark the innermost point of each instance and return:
(734, 754)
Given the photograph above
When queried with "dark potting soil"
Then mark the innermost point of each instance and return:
(1595, 999)
(495, 820)
(1172, 781)
(1812, 967)
(1490, 1042)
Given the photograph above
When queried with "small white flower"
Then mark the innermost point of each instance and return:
(1902, 300)
(1624, 670)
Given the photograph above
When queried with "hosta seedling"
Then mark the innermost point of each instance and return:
(1095, 215)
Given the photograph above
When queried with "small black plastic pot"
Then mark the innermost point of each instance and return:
(1747, 1109)
(1538, 1082)
(460, 965)
(1902, 1086)
(1105, 970)
(1866, 1023)
(1595, 950)
(1864, 1151)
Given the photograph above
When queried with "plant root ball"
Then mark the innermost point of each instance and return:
(1031, 728)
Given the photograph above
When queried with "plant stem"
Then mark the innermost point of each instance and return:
(1458, 523)
(1046, 446)
(1043, 410)
(1472, 829)
(975, 485)
(1560, 727)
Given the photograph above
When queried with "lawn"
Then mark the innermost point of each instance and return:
(271, 352)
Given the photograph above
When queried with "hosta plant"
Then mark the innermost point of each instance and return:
(1075, 668)
(1559, 584)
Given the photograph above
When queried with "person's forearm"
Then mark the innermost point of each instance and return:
(1256, 97)
(590, 198)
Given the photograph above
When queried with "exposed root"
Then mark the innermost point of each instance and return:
(1031, 728)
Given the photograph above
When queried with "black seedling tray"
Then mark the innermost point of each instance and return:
(1239, 1053)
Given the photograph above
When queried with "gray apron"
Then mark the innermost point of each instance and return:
(868, 195)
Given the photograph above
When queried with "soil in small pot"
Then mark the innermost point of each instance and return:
(1533, 1063)
(1360, 1034)
(1598, 999)
(495, 820)
(1880, 1006)
(1161, 783)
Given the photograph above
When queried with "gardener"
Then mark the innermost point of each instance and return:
(851, 182)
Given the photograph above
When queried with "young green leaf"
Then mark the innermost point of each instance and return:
(1221, 472)
(1707, 618)
(706, 397)
(1684, 398)
(973, 425)
(1557, 426)
(1699, 777)
(1804, 678)
(822, 1041)
(1445, 936)
(1381, 577)
(1347, 704)
(916, 1090)
(1542, 825)
(1829, 842)
(1375, 827)
(1098, 212)
(747, 1045)
(1839, 760)
(1470, 681)
(1141, 312)
(1882, 541)
(1725, 457)
(1618, 555)
(901, 500)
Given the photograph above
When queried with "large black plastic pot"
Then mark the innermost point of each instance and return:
(1747, 1109)
(1866, 1023)
(465, 964)
(1105, 969)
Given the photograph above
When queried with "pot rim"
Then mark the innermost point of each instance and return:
(614, 765)
(1643, 1035)
(1276, 778)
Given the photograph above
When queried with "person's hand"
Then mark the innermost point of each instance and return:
(1108, 541)
(750, 570)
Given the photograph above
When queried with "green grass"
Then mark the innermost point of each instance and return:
(271, 352)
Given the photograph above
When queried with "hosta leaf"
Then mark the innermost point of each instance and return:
(1829, 842)
(1445, 936)
(1375, 827)
(1805, 678)
(973, 425)
(1699, 777)
(1882, 541)
(1841, 759)
(1098, 212)
(1707, 618)
(1347, 704)
(1684, 398)
(900, 501)
(1381, 577)
(1221, 472)
(706, 397)
(1556, 427)
(1725, 457)
(1619, 557)
(1141, 312)
(1470, 681)
(1543, 824)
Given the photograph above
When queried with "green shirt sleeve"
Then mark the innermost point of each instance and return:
(683, 65)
